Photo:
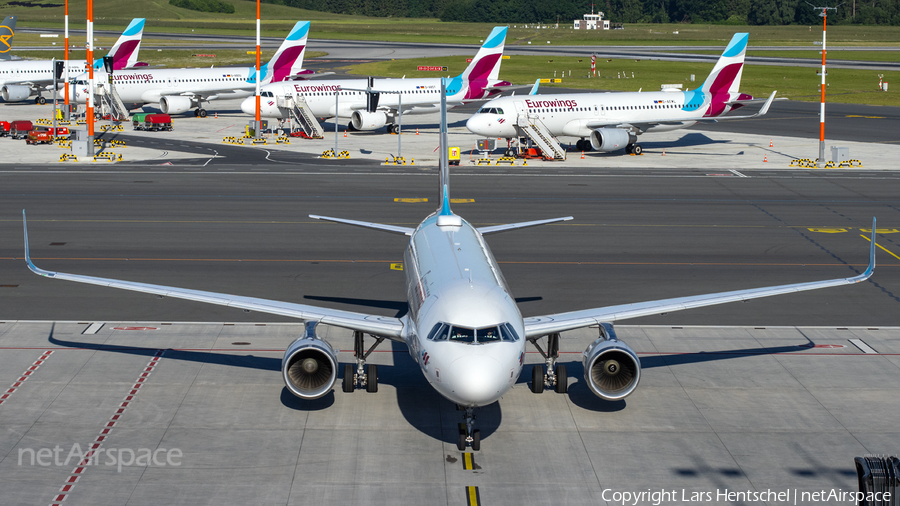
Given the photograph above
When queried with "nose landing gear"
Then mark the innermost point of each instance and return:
(366, 375)
(556, 375)
(467, 435)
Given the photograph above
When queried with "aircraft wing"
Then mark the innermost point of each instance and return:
(542, 325)
(391, 328)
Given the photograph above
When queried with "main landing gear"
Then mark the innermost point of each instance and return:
(583, 145)
(366, 375)
(634, 149)
(556, 376)
(393, 128)
(200, 113)
(467, 435)
(39, 100)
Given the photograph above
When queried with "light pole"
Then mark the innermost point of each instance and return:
(90, 64)
(257, 70)
(66, 57)
(824, 16)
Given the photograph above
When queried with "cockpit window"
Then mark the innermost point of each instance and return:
(462, 335)
(495, 333)
(499, 111)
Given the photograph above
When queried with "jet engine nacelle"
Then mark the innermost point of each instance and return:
(175, 105)
(15, 93)
(362, 120)
(612, 369)
(611, 139)
(309, 366)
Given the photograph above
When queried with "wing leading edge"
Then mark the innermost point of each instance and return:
(560, 322)
(391, 328)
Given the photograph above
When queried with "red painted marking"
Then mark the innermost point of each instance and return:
(145, 374)
(38, 362)
(89, 454)
(23, 378)
(135, 328)
(125, 404)
(141, 380)
(115, 417)
(120, 410)
(17, 384)
(4, 396)
(129, 397)
(148, 369)
(27, 373)
(33, 368)
(11, 390)
(78, 470)
(829, 346)
(104, 431)
(110, 424)
(95, 446)
(65, 488)
(60, 497)
(2, 401)
(73, 479)
(101, 438)
(132, 393)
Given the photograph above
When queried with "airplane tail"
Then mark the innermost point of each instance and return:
(288, 60)
(7, 31)
(481, 77)
(723, 83)
(125, 51)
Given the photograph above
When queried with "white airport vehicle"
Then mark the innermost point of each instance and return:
(20, 79)
(371, 110)
(179, 90)
(609, 121)
(463, 329)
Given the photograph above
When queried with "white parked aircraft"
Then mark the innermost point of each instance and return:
(21, 79)
(612, 121)
(180, 90)
(371, 111)
(463, 328)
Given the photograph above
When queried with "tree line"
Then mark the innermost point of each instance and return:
(736, 12)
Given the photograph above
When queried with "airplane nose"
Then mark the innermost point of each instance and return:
(478, 380)
(249, 105)
(476, 124)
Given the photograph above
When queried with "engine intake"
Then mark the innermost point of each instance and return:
(15, 93)
(611, 139)
(175, 104)
(363, 120)
(309, 365)
(611, 368)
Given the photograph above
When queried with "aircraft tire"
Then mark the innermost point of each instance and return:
(476, 440)
(537, 379)
(562, 380)
(461, 442)
(371, 378)
(202, 113)
(196, 113)
(637, 149)
(348, 379)
(40, 100)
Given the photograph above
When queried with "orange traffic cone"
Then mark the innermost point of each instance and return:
(664, 152)
(765, 158)
(582, 155)
(771, 145)
(217, 115)
(345, 133)
(417, 131)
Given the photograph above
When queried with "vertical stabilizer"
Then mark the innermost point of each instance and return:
(7, 31)
(126, 49)
(288, 60)
(726, 75)
(445, 218)
(484, 70)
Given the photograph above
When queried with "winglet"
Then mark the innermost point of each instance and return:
(765, 108)
(871, 268)
(33, 268)
(534, 88)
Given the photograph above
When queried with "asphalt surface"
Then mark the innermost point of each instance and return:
(636, 237)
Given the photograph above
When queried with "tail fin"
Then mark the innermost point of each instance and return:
(7, 31)
(484, 70)
(726, 75)
(288, 60)
(125, 51)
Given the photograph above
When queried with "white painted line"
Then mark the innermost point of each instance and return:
(738, 174)
(865, 348)
(94, 328)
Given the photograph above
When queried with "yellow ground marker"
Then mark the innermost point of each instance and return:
(880, 230)
(880, 246)
(461, 201)
(472, 497)
(828, 230)
(396, 267)
(468, 462)
(409, 201)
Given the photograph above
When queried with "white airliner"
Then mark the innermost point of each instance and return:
(373, 111)
(463, 327)
(20, 79)
(179, 90)
(612, 121)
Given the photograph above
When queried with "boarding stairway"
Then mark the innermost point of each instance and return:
(539, 135)
(300, 113)
(110, 103)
